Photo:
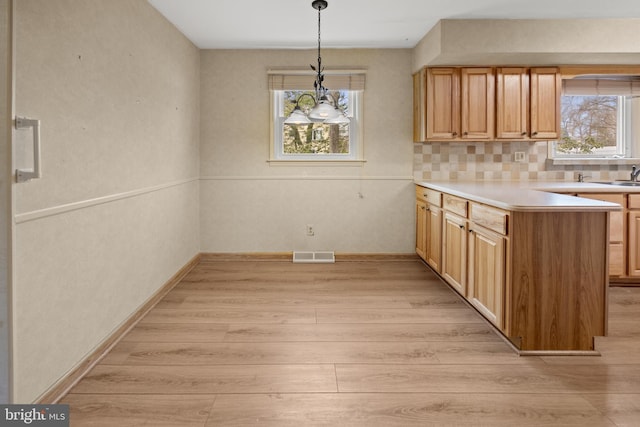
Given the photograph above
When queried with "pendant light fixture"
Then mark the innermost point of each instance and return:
(325, 107)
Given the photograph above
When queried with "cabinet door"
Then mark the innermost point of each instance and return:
(546, 88)
(454, 253)
(487, 273)
(419, 104)
(434, 237)
(617, 264)
(512, 104)
(421, 229)
(634, 243)
(477, 103)
(443, 103)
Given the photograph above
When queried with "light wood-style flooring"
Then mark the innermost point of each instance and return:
(355, 343)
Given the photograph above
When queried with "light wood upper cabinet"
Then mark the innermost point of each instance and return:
(443, 104)
(419, 105)
(460, 104)
(486, 104)
(512, 103)
(477, 105)
(528, 103)
(546, 89)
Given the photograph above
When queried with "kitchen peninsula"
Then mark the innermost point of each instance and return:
(534, 263)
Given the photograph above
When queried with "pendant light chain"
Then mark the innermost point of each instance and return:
(320, 84)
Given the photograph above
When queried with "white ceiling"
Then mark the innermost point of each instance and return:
(292, 24)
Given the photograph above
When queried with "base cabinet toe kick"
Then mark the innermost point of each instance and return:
(539, 274)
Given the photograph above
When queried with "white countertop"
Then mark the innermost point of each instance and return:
(531, 195)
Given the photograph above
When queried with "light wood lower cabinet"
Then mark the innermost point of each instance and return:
(454, 252)
(634, 242)
(486, 273)
(421, 228)
(429, 227)
(540, 277)
(434, 237)
(617, 241)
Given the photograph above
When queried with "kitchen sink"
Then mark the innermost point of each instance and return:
(622, 183)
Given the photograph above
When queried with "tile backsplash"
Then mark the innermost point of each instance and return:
(468, 161)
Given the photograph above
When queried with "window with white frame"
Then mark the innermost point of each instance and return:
(599, 118)
(316, 141)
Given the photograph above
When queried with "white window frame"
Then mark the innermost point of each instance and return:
(628, 139)
(355, 139)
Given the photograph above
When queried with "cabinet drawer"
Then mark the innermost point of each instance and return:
(613, 198)
(488, 217)
(431, 196)
(634, 201)
(455, 204)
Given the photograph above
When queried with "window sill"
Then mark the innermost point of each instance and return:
(279, 162)
(593, 161)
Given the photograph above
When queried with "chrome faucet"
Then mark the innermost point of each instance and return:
(634, 173)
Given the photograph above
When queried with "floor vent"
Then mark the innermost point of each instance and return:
(325, 257)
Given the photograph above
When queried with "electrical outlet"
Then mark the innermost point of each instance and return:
(519, 156)
(310, 231)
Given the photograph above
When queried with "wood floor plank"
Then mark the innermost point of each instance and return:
(613, 351)
(382, 343)
(208, 379)
(392, 409)
(431, 315)
(386, 287)
(109, 410)
(177, 332)
(191, 300)
(622, 409)
(453, 332)
(270, 353)
(488, 378)
(225, 316)
(299, 353)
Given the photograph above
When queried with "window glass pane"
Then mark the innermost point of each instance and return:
(316, 140)
(591, 126)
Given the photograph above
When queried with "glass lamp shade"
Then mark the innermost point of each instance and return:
(297, 117)
(323, 110)
(340, 119)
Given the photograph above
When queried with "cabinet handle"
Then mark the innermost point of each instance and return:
(523, 133)
(455, 134)
(534, 133)
(466, 133)
(428, 209)
(26, 175)
(462, 227)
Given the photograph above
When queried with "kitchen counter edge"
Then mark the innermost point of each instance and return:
(534, 196)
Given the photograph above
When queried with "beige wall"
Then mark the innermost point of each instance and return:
(248, 205)
(116, 212)
(529, 42)
(5, 193)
